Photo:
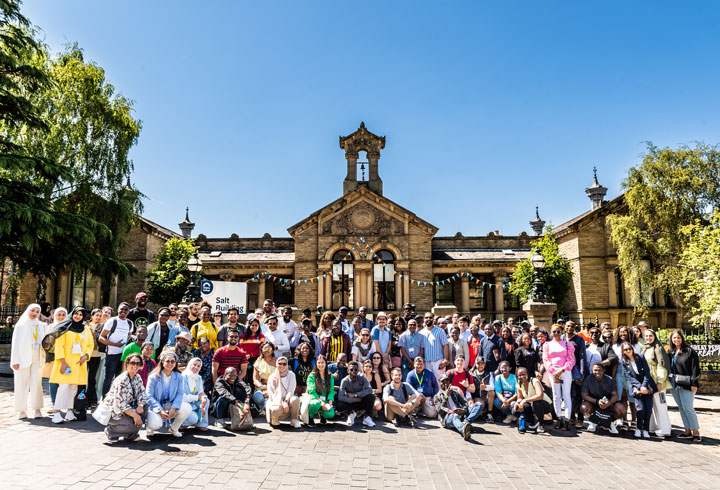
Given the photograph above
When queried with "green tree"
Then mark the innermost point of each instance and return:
(169, 279)
(670, 189)
(32, 225)
(556, 274)
(701, 261)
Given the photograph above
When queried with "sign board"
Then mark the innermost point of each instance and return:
(708, 353)
(223, 294)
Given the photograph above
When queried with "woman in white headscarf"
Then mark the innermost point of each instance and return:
(59, 315)
(27, 360)
(195, 395)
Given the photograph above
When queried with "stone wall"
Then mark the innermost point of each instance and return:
(709, 383)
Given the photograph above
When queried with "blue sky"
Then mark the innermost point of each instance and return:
(489, 108)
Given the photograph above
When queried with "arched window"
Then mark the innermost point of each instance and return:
(384, 280)
(342, 279)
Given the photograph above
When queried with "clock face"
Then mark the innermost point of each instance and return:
(363, 218)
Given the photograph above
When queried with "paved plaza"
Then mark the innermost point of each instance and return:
(38, 454)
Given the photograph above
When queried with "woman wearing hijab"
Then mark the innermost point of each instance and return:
(27, 360)
(282, 401)
(659, 362)
(195, 395)
(58, 316)
(73, 343)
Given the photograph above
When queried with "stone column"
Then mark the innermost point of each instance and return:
(611, 287)
(540, 313)
(369, 288)
(321, 293)
(499, 298)
(262, 292)
(328, 289)
(406, 290)
(464, 293)
(398, 291)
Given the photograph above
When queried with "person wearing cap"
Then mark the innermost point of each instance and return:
(641, 327)
(454, 409)
(484, 382)
(182, 342)
(165, 391)
(276, 336)
(380, 336)
(281, 399)
(140, 315)
(437, 351)
(492, 347)
(205, 328)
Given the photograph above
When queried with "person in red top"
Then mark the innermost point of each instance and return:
(229, 356)
(474, 343)
(460, 377)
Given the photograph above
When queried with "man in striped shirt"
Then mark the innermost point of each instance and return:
(436, 347)
(336, 343)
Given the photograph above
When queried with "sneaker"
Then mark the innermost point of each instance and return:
(685, 436)
(533, 426)
(396, 422)
(613, 428)
(113, 439)
(295, 423)
(38, 414)
(645, 434)
(220, 423)
(489, 417)
(633, 424)
(368, 421)
(21, 415)
(466, 431)
(176, 433)
(351, 419)
(540, 429)
(579, 424)
(57, 418)
(70, 416)
(508, 419)
(149, 432)
(592, 427)
(638, 434)
(697, 438)
(323, 420)
(412, 421)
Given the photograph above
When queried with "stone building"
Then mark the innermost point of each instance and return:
(365, 249)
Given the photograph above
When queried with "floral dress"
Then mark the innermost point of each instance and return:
(125, 393)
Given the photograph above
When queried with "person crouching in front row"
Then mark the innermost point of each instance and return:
(282, 401)
(165, 391)
(231, 398)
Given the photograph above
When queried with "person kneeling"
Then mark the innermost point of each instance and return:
(402, 401)
(231, 397)
(454, 409)
(320, 393)
(532, 403)
(600, 400)
(165, 391)
(282, 401)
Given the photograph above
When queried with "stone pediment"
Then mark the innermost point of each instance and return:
(363, 213)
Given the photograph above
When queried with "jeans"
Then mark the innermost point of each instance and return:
(196, 418)
(498, 405)
(365, 404)
(259, 400)
(454, 421)
(112, 367)
(685, 400)
(53, 391)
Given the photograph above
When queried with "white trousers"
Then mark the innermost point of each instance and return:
(155, 422)
(29, 380)
(65, 398)
(660, 419)
(562, 393)
(434, 367)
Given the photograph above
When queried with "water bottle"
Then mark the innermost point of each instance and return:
(604, 399)
(521, 422)
(81, 396)
(68, 371)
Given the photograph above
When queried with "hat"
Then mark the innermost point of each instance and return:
(642, 324)
(444, 378)
(140, 295)
(525, 322)
(306, 320)
(480, 359)
(269, 317)
(381, 313)
(497, 322)
(183, 335)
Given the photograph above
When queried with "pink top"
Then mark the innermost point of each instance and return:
(558, 355)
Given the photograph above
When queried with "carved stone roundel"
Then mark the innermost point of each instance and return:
(363, 218)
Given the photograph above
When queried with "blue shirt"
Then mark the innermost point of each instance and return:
(425, 383)
(382, 335)
(435, 340)
(413, 343)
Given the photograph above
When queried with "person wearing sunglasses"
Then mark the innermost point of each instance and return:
(282, 401)
(356, 396)
(642, 385)
(559, 359)
(363, 347)
(127, 399)
(165, 391)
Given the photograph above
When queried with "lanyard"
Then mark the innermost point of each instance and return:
(35, 333)
(420, 380)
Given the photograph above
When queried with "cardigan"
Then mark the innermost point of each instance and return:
(154, 391)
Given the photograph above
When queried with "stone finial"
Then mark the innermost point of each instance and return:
(187, 226)
(537, 224)
(596, 192)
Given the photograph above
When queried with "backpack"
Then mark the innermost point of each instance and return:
(103, 347)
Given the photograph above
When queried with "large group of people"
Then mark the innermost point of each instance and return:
(189, 366)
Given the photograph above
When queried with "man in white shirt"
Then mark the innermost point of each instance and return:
(277, 337)
(115, 334)
(289, 327)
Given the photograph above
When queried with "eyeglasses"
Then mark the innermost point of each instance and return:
(233, 336)
(171, 361)
(135, 363)
(217, 316)
(282, 363)
(271, 323)
(364, 335)
(556, 331)
(627, 349)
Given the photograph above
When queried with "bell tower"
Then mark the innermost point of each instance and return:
(353, 144)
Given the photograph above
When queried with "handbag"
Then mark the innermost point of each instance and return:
(102, 413)
(80, 406)
(683, 380)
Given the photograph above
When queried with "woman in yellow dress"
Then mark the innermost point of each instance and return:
(74, 344)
